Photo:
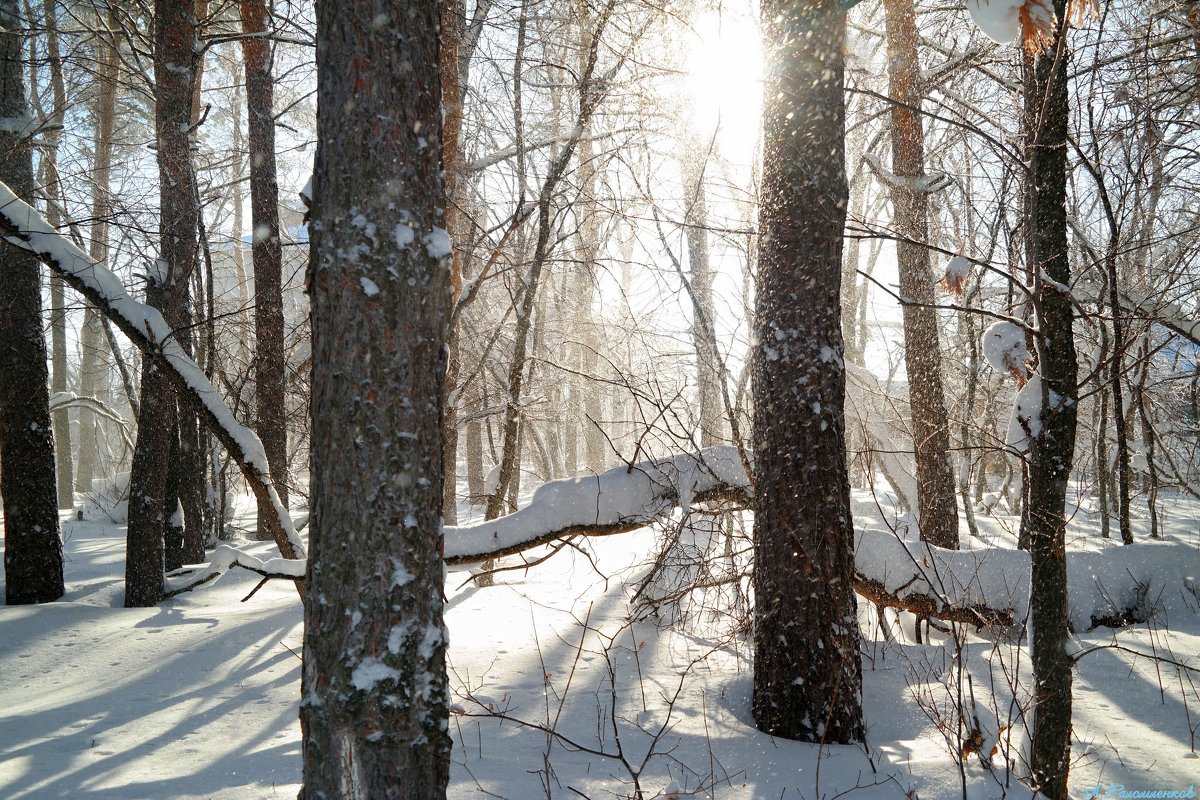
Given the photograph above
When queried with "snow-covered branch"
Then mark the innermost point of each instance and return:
(24, 226)
(919, 184)
(1169, 315)
(490, 160)
(622, 499)
(225, 558)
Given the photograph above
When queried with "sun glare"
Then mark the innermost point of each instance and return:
(724, 79)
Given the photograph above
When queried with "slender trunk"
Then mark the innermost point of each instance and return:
(1101, 428)
(375, 709)
(1149, 437)
(270, 378)
(189, 466)
(922, 352)
(238, 222)
(1116, 370)
(474, 454)
(967, 441)
(33, 557)
(590, 95)
(807, 669)
(708, 372)
(92, 340)
(1043, 521)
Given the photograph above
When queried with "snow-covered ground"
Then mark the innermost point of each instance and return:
(198, 698)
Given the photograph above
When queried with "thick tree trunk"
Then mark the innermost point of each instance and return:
(375, 710)
(270, 406)
(922, 351)
(1043, 522)
(807, 670)
(167, 290)
(33, 556)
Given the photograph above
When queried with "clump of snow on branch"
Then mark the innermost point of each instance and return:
(1004, 21)
(1034, 22)
(1005, 350)
(954, 279)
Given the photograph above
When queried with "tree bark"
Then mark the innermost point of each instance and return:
(33, 556)
(936, 506)
(1116, 371)
(1043, 521)
(375, 708)
(807, 670)
(270, 405)
(166, 290)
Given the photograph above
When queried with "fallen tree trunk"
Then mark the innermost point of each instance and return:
(913, 577)
(924, 605)
(24, 226)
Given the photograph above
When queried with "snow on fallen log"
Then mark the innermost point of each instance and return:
(23, 226)
(983, 587)
(621, 499)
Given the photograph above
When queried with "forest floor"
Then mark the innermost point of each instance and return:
(198, 698)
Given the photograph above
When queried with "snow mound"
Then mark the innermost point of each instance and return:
(108, 500)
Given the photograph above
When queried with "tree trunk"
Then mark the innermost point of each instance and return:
(1116, 371)
(166, 290)
(92, 345)
(236, 175)
(375, 706)
(807, 670)
(33, 556)
(269, 375)
(1102, 482)
(695, 220)
(922, 352)
(1043, 521)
